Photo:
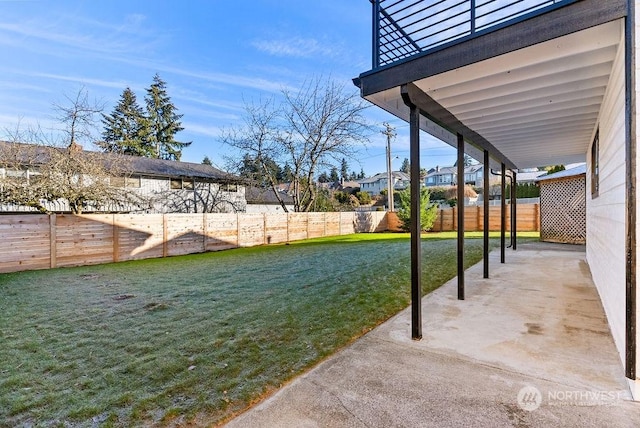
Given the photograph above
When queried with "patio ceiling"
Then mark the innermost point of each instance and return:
(537, 106)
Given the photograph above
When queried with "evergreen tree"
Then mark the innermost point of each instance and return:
(362, 174)
(344, 169)
(258, 172)
(126, 128)
(287, 173)
(406, 166)
(333, 175)
(164, 122)
(207, 161)
(323, 178)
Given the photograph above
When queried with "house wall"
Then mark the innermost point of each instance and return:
(158, 197)
(206, 197)
(606, 212)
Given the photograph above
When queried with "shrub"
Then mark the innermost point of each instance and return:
(428, 211)
(364, 197)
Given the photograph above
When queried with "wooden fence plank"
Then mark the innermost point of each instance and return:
(38, 241)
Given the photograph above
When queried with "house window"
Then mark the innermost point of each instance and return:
(117, 181)
(229, 187)
(179, 183)
(125, 181)
(133, 181)
(176, 184)
(595, 165)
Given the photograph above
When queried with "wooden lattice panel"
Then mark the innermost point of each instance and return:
(563, 210)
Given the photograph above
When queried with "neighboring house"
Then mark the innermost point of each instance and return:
(473, 175)
(342, 186)
(184, 187)
(528, 84)
(261, 200)
(528, 176)
(376, 184)
(448, 176)
(160, 186)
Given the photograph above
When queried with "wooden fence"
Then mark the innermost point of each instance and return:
(40, 241)
(527, 217)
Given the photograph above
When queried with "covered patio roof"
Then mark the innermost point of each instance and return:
(530, 98)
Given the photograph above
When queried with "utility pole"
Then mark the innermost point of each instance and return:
(390, 133)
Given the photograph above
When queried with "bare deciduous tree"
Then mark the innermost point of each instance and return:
(313, 127)
(77, 115)
(39, 174)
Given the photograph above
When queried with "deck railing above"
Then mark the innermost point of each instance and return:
(404, 28)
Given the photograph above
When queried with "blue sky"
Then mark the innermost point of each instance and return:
(213, 55)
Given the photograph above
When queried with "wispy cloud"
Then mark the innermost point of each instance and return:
(226, 79)
(80, 36)
(298, 47)
(82, 80)
(200, 129)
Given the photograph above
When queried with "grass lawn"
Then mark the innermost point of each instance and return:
(196, 338)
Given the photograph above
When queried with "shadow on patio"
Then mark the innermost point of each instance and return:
(529, 347)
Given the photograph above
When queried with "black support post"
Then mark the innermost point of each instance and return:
(460, 205)
(503, 211)
(416, 257)
(631, 193)
(485, 224)
(375, 57)
(514, 211)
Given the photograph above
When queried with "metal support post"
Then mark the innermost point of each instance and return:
(503, 210)
(485, 224)
(460, 205)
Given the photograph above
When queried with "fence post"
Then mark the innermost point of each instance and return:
(205, 232)
(52, 241)
(116, 239)
(325, 224)
(165, 244)
(238, 229)
(264, 228)
(454, 222)
(287, 214)
(536, 217)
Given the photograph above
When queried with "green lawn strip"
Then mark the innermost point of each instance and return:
(196, 337)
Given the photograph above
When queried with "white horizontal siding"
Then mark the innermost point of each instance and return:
(606, 213)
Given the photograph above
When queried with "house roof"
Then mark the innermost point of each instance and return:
(528, 176)
(383, 176)
(34, 154)
(572, 172)
(453, 170)
(261, 196)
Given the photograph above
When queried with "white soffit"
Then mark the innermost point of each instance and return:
(537, 105)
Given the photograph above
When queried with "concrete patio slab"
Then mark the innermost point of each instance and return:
(529, 347)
